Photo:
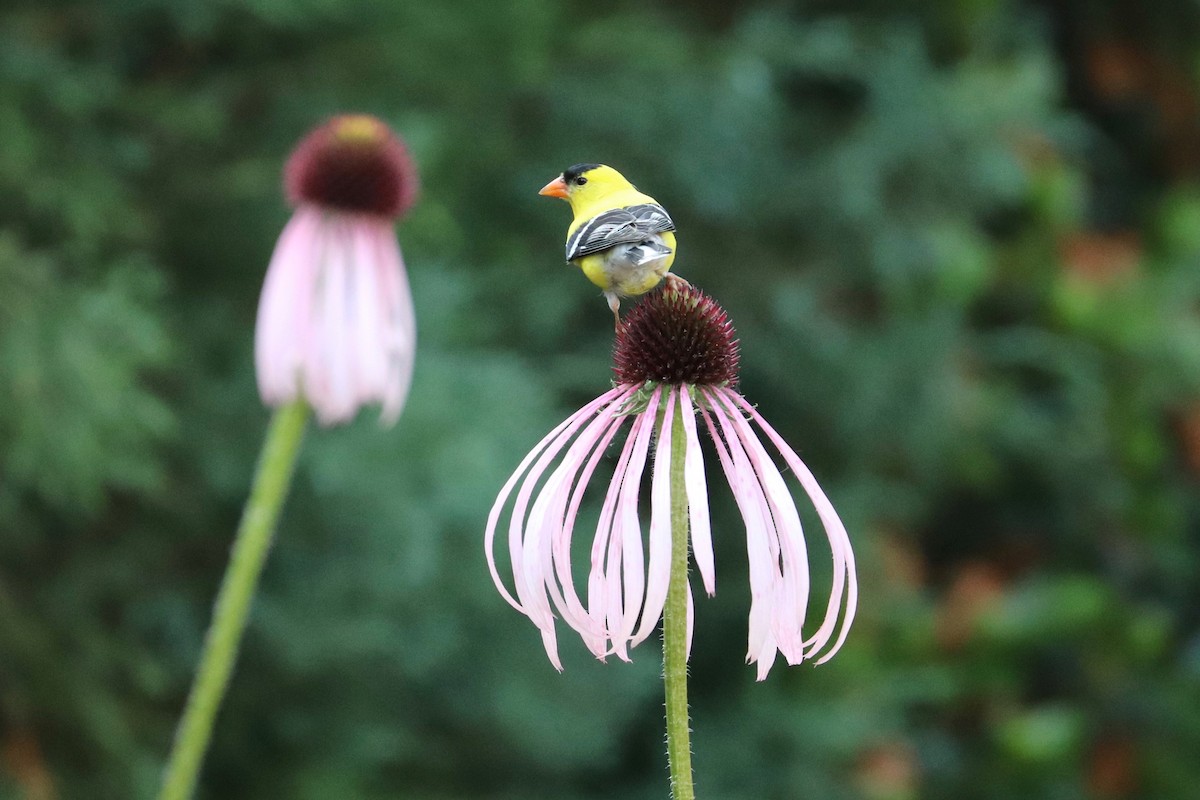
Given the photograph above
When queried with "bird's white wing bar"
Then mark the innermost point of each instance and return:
(629, 225)
(652, 217)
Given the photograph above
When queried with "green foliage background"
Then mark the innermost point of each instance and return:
(961, 244)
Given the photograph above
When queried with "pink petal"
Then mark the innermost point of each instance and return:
(327, 379)
(283, 305)
(793, 587)
(399, 338)
(596, 642)
(548, 523)
(550, 642)
(697, 493)
(632, 563)
(529, 549)
(606, 545)
(659, 576)
(765, 658)
(368, 323)
(761, 535)
(554, 440)
(335, 322)
(844, 574)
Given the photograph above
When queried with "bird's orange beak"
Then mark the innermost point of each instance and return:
(555, 188)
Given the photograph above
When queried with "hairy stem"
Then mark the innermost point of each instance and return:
(250, 546)
(679, 748)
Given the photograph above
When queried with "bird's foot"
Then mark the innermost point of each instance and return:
(674, 281)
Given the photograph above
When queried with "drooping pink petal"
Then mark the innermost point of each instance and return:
(327, 377)
(399, 337)
(284, 308)
(844, 575)
(793, 587)
(549, 522)
(632, 567)
(335, 323)
(594, 632)
(552, 442)
(529, 554)
(528, 550)
(368, 352)
(307, 332)
(606, 545)
(597, 642)
(761, 535)
(697, 495)
(659, 573)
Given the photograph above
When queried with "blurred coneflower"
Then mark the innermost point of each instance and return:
(335, 332)
(335, 319)
(676, 362)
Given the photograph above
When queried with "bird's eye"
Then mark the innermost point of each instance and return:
(580, 181)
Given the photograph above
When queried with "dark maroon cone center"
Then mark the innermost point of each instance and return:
(676, 335)
(352, 163)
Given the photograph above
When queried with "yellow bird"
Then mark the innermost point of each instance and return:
(623, 240)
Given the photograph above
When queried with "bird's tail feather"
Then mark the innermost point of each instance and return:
(648, 252)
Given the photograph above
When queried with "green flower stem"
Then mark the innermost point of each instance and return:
(274, 474)
(679, 747)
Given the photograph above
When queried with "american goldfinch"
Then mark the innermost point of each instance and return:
(620, 238)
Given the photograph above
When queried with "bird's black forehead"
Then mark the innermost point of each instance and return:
(573, 172)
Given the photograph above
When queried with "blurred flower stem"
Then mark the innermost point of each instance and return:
(675, 626)
(274, 474)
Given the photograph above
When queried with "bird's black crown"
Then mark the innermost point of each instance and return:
(573, 172)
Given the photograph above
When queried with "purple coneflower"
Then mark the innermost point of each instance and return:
(335, 320)
(675, 356)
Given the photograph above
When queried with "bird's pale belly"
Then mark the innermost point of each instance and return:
(614, 272)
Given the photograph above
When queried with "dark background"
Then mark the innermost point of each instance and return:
(960, 242)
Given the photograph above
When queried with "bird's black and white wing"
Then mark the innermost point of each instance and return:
(629, 225)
